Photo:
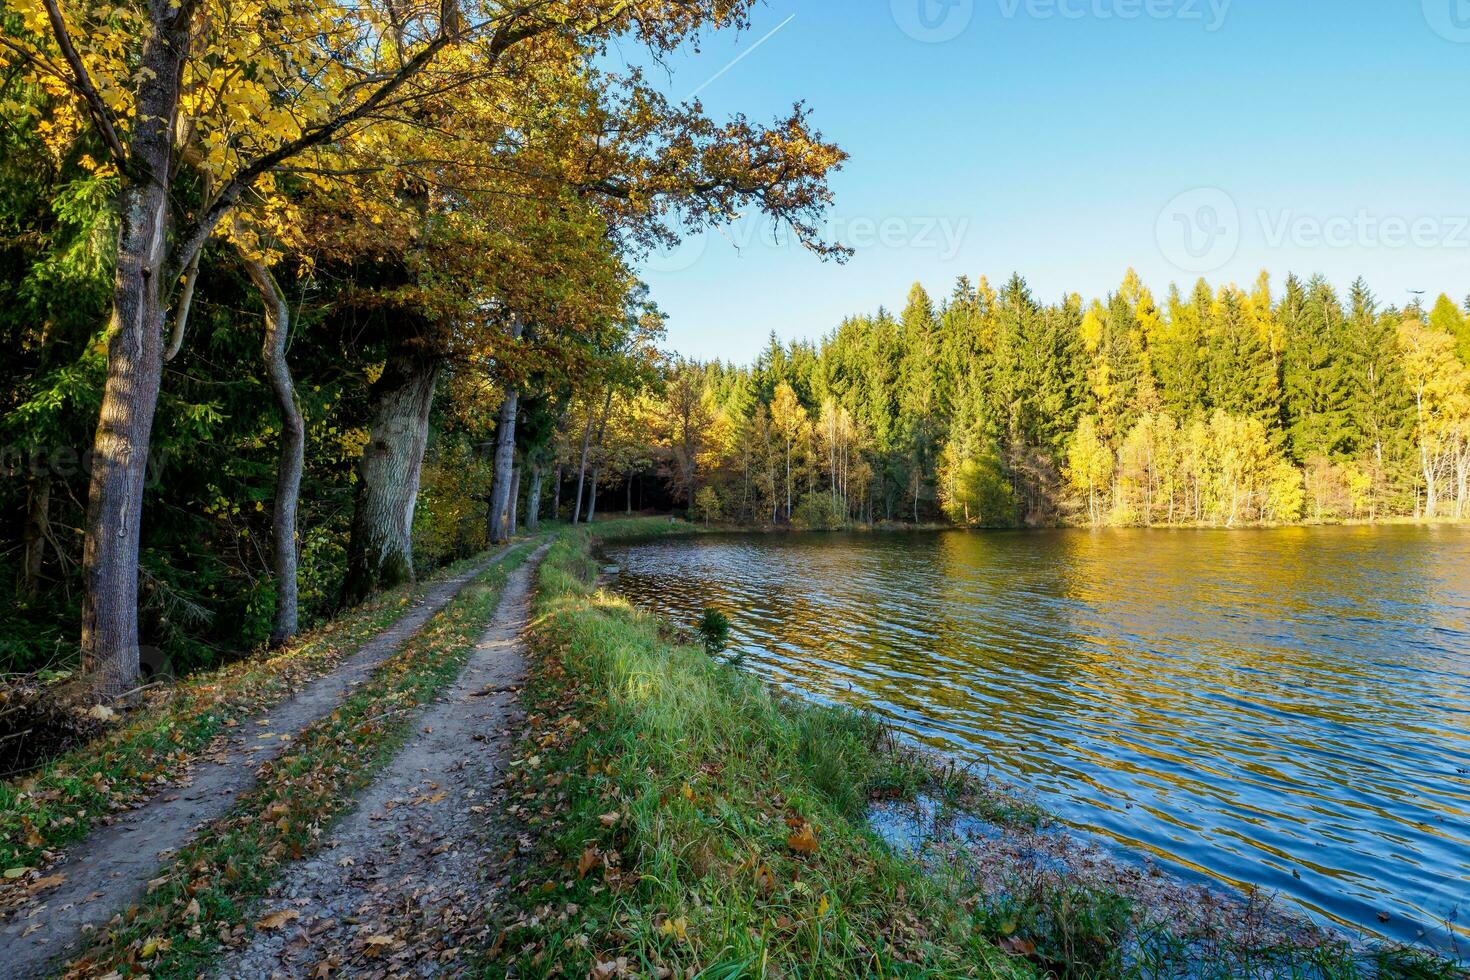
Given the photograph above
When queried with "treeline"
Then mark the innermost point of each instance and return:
(1217, 406)
(270, 269)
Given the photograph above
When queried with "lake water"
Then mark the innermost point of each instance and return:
(1288, 709)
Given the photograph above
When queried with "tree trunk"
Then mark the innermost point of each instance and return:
(109, 638)
(37, 526)
(582, 469)
(556, 495)
(601, 437)
(629, 487)
(380, 554)
(533, 499)
(513, 520)
(285, 543)
(505, 452)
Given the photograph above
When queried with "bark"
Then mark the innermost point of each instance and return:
(285, 542)
(582, 469)
(500, 487)
(37, 527)
(556, 496)
(497, 531)
(109, 638)
(533, 499)
(380, 554)
(597, 470)
(513, 520)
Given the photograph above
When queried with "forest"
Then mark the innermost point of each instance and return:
(293, 315)
(1221, 407)
(293, 319)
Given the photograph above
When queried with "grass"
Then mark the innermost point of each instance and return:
(201, 903)
(692, 821)
(65, 798)
(687, 820)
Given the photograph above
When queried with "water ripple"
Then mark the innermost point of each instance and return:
(1252, 706)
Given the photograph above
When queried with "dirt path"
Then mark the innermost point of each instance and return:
(400, 886)
(111, 868)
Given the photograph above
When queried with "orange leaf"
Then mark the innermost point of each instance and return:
(803, 840)
(277, 919)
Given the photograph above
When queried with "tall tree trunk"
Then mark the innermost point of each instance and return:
(285, 543)
(533, 499)
(513, 519)
(380, 554)
(124, 428)
(582, 468)
(33, 538)
(601, 438)
(500, 486)
(629, 487)
(497, 531)
(556, 495)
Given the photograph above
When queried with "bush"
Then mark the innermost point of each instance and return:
(707, 505)
(819, 510)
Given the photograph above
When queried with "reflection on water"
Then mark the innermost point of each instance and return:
(1286, 708)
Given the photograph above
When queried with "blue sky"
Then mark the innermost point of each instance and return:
(1071, 139)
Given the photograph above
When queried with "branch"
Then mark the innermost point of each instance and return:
(181, 315)
(82, 82)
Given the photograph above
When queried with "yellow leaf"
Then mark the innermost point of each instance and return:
(823, 906)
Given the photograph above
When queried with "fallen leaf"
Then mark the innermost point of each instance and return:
(277, 919)
(687, 792)
(102, 712)
(823, 906)
(803, 840)
(589, 860)
(15, 872)
(608, 820)
(50, 881)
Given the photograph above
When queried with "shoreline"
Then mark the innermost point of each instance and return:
(1045, 901)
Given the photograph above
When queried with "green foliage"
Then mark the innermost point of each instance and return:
(714, 631)
(819, 510)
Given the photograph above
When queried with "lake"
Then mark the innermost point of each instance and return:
(1284, 708)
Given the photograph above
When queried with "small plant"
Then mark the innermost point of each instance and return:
(714, 631)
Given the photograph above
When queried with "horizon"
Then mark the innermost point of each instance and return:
(1072, 140)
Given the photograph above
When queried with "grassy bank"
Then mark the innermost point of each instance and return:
(689, 820)
(203, 901)
(682, 819)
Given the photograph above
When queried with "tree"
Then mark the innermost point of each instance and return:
(1090, 465)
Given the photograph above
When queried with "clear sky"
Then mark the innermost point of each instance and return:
(1071, 139)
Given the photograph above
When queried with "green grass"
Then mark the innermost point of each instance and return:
(177, 929)
(691, 819)
(64, 799)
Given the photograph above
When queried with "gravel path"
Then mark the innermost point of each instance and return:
(110, 869)
(400, 887)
